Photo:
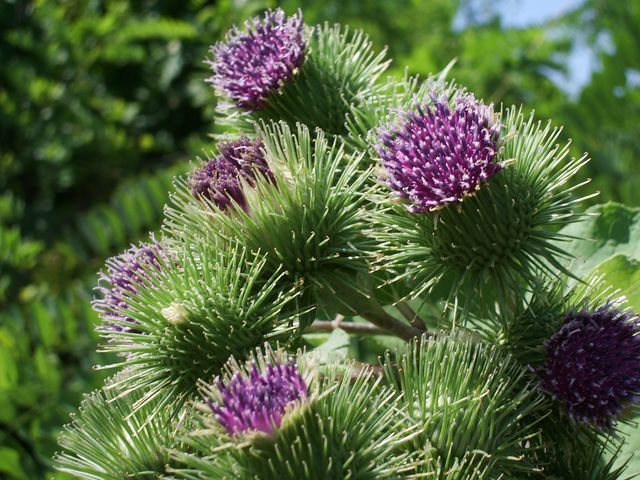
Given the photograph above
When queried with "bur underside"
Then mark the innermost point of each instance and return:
(593, 364)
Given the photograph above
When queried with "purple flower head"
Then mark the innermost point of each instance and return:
(259, 401)
(125, 274)
(251, 65)
(438, 155)
(221, 180)
(593, 364)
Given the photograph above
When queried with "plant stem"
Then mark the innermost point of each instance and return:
(385, 321)
(350, 327)
(411, 316)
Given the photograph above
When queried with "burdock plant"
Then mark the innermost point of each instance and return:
(336, 205)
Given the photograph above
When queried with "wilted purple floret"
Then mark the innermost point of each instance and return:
(221, 180)
(593, 364)
(124, 276)
(438, 155)
(251, 65)
(258, 402)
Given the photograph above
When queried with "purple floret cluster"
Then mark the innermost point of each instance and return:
(593, 364)
(439, 154)
(222, 179)
(257, 402)
(124, 275)
(251, 65)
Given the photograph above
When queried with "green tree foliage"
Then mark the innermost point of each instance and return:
(603, 119)
(93, 92)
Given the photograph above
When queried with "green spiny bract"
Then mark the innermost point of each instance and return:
(340, 70)
(348, 427)
(495, 243)
(576, 452)
(208, 304)
(307, 220)
(476, 406)
(523, 327)
(588, 461)
(109, 439)
(392, 96)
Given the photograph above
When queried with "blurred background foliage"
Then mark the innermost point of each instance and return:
(102, 102)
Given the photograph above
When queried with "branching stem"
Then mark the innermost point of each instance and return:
(386, 322)
(349, 327)
(410, 314)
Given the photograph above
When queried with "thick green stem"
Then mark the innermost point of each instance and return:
(411, 316)
(349, 327)
(386, 322)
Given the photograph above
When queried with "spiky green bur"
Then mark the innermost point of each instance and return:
(214, 302)
(349, 427)
(340, 70)
(110, 440)
(581, 343)
(588, 461)
(523, 327)
(576, 452)
(307, 220)
(476, 407)
(501, 239)
(571, 450)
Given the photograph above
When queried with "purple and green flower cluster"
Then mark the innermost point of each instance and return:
(593, 364)
(221, 180)
(125, 274)
(439, 154)
(259, 401)
(251, 65)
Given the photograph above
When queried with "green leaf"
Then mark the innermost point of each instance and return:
(10, 464)
(623, 273)
(612, 229)
(337, 343)
(8, 368)
(46, 325)
(630, 448)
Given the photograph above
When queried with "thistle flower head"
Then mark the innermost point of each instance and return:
(440, 154)
(593, 364)
(124, 275)
(500, 239)
(346, 424)
(258, 401)
(221, 180)
(251, 65)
